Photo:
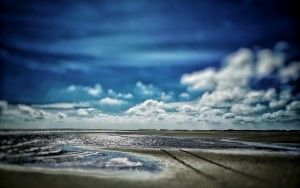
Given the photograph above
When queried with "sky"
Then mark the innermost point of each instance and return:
(126, 64)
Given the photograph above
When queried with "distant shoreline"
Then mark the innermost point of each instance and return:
(157, 130)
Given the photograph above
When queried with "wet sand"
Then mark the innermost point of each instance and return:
(274, 161)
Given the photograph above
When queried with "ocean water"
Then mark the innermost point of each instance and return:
(91, 150)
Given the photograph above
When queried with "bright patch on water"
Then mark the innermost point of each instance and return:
(121, 162)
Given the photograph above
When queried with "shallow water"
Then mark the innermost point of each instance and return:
(77, 157)
(80, 150)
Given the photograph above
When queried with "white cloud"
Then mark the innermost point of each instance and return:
(228, 100)
(187, 108)
(235, 73)
(240, 58)
(281, 116)
(222, 98)
(200, 80)
(112, 102)
(274, 115)
(24, 112)
(3, 106)
(228, 90)
(61, 115)
(125, 96)
(268, 62)
(259, 96)
(294, 106)
(229, 115)
(146, 90)
(237, 70)
(166, 97)
(94, 91)
(25, 109)
(184, 96)
(210, 114)
(20, 113)
(147, 108)
(82, 112)
(246, 109)
(86, 112)
(277, 104)
(291, 72)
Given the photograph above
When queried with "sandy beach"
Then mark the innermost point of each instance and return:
(259, 159)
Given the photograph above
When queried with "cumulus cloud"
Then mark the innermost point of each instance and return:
(3, 106)
(139, 93)
(235, 73)
(246, 109)
(61, 115)
(268, 61)
(222, 98)
(203, 80)
(94, 91)
(111, 101)
(227, 99)
(125, 96)
(259, 96)
(242, 66)
(166, 96)
(147, 108)
(228, 90)
(294, 106)
(184, 96)
(82, 112)
(291, 72)
(24, 111)
(146, 90)
(289, 114)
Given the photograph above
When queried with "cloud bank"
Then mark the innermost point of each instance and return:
(236, 95)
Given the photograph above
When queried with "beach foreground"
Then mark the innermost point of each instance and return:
(149, 158)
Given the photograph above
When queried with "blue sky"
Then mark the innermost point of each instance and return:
(109, 64)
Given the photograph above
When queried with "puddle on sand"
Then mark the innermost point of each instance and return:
(83, 158)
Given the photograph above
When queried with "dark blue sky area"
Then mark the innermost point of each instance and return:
(46, 46)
